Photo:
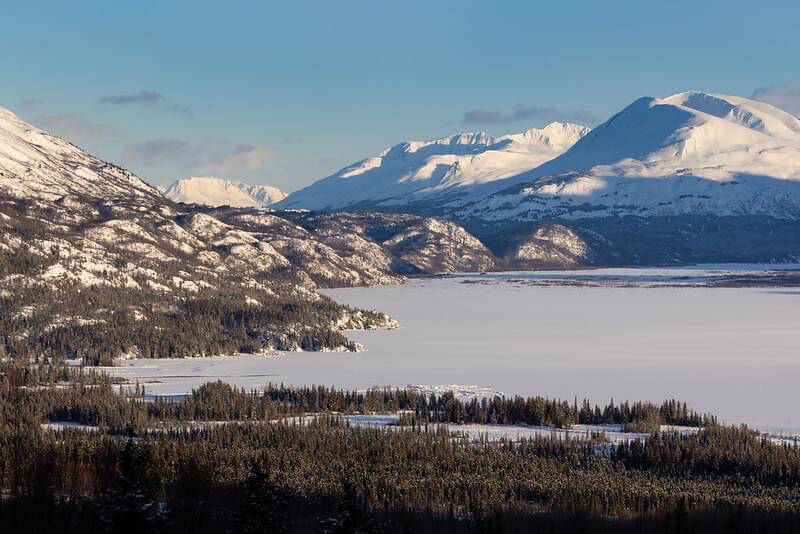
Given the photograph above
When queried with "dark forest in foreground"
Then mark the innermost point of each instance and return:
(154, 467)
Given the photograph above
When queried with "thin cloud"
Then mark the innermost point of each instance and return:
(31, 102)
(142, 97)
(239, 158)
(221, 158)
(528, 113)
(785, 96)
(294, 140)
(160, 150)
(180, 109)
(145, 98)
(72, 127)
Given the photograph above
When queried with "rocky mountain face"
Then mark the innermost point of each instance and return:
(416, 245)
(215, 192)
(97, 279)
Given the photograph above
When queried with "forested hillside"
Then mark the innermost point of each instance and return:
(230, 460)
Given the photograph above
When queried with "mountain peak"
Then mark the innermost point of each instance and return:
(558, 135)
(418, 171)
(758, 116)
(667, 156)
(7, 114)
(212, 191)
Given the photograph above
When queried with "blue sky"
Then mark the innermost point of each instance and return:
(286, 93)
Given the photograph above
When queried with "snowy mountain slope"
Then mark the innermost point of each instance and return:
(689, 153)
(37, 165)
(436, 171)
(211, 191)
(95, 263)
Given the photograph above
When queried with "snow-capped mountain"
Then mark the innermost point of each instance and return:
(35, 164)
(449, 169)
(690, 153)
(211, 191)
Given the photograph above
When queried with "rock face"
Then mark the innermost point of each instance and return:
(216, 192)
(412, 244)
(551, 244)
(99, 279)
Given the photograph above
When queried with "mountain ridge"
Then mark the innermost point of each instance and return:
(36, 164)
(690, 152)
(215, 192)
(430, 171)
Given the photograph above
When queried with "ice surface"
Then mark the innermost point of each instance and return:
(731, 351)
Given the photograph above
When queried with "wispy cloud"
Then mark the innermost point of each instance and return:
(145, 98)
(293, 140)
(785, 96)
(72, 127)
(223, 158)
(163, 149)
(528, 113)
(237, 159)
(142, 97)
(31, 102)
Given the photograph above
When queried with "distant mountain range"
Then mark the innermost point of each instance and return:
(693, 177)
(689, 178)
(210, 191)
(691, 153)
(440, 172)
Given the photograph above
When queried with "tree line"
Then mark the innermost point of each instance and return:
(91, 398)
(149, 325)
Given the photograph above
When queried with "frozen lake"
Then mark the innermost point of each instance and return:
(625, 333)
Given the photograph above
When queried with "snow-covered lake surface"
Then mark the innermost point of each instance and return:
(629, 334)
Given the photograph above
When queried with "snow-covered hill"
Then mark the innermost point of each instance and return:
(438, 171)
(37, 165)
(690, 153)
(211, 191)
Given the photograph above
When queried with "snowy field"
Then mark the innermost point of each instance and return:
(631, 334)
(607, 433)
(600, 433)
